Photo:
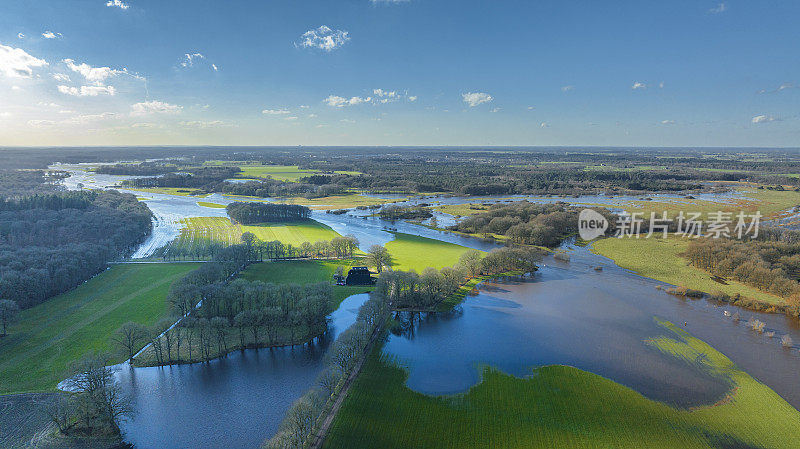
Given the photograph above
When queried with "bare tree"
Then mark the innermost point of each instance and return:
(129, 336)
(8, 313)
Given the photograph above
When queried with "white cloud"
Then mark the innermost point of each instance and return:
(118, 3)
(276, 112)
(200, 124)
(544, 125)
(782, 87)
(638, 85)
(292, 118)
(347, 120)
(496, 110)
(214, 67)
(719, 9)
(475, 98)
(667, 122)
(61, 77)
(312, 115)
(5, 114)
(17, 63)
(21, 36)
(304, 106)
(339, 102)
(764, 119)
(96, 75)
(52, 35)
(87, 91)
(154, 107)
(530, 108)
(412, 98)
(189, 58)
(661, 85)
(323, 38)
(567, 88)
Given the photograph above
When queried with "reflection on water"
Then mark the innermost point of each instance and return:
(595, 321)
(237, 401)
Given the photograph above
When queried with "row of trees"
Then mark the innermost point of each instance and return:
(50, 243)
(304, 416)
(196, 177)
(250, 213)
(409, 290)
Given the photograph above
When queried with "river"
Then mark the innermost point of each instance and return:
(566, 313)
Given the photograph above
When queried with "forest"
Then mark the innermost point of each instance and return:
(250, 213)
(769, 262)
(526, 223)
(49, 243)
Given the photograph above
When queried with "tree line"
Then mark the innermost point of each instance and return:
(50, 243)
(304, 416)
(249, 213)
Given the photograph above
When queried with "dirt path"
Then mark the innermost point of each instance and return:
(324, 428)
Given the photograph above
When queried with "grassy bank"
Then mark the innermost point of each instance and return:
(410, 252)
(660, 259)
(36, 354)
(305, 272)
(561, 407)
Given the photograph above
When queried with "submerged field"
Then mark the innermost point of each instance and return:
(291, 173)
(36, 354)
(660, 259)
(411, 252)
(562, 407)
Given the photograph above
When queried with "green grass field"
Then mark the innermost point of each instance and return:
(562, 407)
(410, 252)
(36, 354)
(304, 272)
(210, 205)
(199, 232)
(660, 259)
(291, 173)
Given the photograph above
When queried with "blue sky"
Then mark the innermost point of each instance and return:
(417, 72)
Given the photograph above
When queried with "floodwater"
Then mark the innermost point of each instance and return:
(567, 313)
(598, 321)
(236, 401)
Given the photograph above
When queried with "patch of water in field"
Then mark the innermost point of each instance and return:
(598, 321)
(246, 394)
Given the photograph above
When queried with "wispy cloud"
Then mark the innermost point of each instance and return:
(276, 112)
(764, 119)
(340, 102)
(782, 87)
(87, 91)
(719, 9)
(17, 63)
(667, 122)
(567, 88)
(20, 36)
(52, 35)
(475, 98)
(95, 75)
(154, 107)
(118, 4)
(323, 38)
(637, 85)
(200, 124)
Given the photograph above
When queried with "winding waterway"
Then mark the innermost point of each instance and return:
(566, 313)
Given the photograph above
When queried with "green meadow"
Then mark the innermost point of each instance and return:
(199, 232)
(539, 411)
(304, 272)
(40, 347)
(660, 259)
(410, 252)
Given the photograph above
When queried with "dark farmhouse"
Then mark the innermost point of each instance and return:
(359, 276)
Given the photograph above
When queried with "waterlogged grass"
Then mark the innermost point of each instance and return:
(305, 272)
(411, 252)
(561, 407)
(660, 259)
(200, 232)
(462, 210)
(211, 205)
(348, 201)
(36, 354)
